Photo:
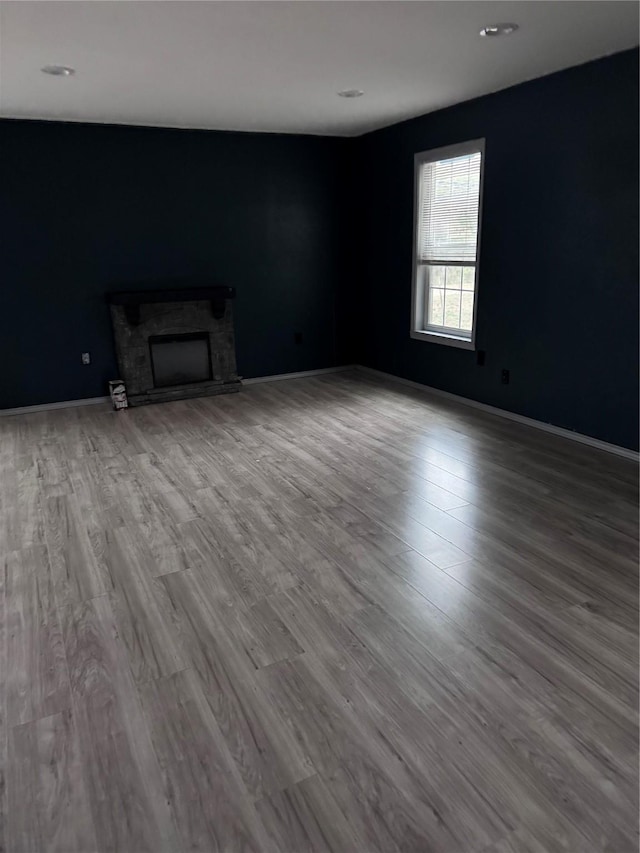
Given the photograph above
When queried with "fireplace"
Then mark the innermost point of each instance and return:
(173, 343)
(180, 359)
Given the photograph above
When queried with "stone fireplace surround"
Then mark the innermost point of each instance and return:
(138, 315)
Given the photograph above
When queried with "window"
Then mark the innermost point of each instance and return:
(448, 200)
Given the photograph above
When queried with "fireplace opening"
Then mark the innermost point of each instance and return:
(180, 359)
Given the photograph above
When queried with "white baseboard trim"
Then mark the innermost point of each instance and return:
(512, 416)
(277, 377)
(45, 407)
(428, 389)
(92, 401)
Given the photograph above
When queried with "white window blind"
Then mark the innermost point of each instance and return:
(449, 202)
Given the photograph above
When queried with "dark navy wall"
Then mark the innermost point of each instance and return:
(86, 209)
(316, 235)
(558, 299)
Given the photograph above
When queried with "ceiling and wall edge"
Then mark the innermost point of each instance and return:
(384, 126)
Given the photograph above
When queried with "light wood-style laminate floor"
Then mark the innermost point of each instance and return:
(326, 614)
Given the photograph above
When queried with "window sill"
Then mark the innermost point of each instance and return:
(441, 338)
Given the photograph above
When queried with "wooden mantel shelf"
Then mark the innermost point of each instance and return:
(131, 300)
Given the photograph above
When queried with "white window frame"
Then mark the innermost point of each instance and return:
(419, 289)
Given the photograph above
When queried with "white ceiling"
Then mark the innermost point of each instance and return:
(276, 66)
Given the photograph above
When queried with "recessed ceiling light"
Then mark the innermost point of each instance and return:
(58, 70)
(493, 30)
(350, 93)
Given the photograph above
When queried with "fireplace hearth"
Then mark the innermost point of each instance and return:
(175, 342)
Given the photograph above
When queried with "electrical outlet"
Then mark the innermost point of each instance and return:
(86, 358)
(297, 337)
(505, 376)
